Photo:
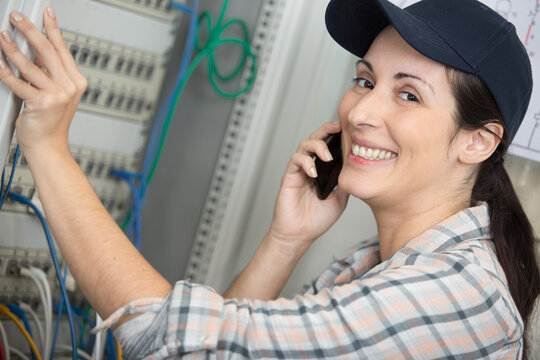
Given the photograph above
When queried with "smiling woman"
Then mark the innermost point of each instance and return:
(424, 129)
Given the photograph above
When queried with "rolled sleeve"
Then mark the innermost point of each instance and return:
(404, 313)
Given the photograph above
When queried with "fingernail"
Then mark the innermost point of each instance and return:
(328, 156)
(6, 36)
(15, 16)
(313, 172)
(50, 11)
(2, 64)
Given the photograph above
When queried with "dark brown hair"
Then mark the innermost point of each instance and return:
(513, 234)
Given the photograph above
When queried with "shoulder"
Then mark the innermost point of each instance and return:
(347, 266)
(465, 279)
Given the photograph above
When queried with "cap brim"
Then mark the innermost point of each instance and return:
(354, 24)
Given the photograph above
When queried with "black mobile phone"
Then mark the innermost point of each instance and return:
(328, 172)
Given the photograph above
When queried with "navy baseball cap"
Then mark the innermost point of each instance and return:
(463, 34)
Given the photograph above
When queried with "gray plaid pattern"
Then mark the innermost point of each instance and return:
(443, 295)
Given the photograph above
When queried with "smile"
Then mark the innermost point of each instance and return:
(372, 154)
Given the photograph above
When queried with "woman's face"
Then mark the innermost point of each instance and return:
(397, 126)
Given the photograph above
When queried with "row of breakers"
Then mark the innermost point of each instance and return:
(95, 58)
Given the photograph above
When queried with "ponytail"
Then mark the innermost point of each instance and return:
(512, 235)
(512, 232)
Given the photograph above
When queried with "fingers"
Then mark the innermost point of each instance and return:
(315, 143)
(324, 131)
(302, 162)
(20, 87)
(303, 158)
(55, 37)
(319, 147)
(43, 47)
(28, 69)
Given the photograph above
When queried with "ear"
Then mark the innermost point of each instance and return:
(478, 145)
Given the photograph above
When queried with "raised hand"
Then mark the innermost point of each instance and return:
(51, 88)
(300, 216)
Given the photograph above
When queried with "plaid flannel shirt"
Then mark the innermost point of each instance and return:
(443, 295)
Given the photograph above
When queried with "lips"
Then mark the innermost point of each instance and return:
(370, 151)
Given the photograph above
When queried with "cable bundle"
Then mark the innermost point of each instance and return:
(25, 201)
(160, 129)
(5, 311)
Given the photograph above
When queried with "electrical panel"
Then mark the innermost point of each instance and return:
(122, 48)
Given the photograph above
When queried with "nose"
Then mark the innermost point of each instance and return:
(368, 110)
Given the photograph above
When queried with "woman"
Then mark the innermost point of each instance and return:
(439, 281)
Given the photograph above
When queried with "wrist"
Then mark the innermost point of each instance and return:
(285, 247)
(45, 152)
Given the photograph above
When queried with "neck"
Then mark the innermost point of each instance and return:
(397, 225)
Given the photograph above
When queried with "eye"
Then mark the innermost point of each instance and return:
(407, 96)
(363, 83)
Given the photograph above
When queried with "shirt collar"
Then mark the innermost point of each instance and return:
(469, 224)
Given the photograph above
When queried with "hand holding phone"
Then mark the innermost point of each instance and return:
(328, 172)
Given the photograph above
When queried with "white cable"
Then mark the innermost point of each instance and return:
(39, 277)
(81, 353)
(34, 316)
(97, 353)
(47, 310)
(19, 353)
(48, 315)
(3, 338)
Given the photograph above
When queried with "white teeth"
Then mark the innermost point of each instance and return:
(372, 154)
(356, 150)
(369, 153)
(362, 151)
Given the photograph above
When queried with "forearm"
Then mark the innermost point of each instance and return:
(107, 267)
(267, 272)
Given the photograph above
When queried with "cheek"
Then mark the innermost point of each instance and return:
(424, 140)
(345, 106)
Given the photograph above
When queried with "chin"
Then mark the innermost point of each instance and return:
(356, 185)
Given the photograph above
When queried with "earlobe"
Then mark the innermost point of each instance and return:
(481, 143)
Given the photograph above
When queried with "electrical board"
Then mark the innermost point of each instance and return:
(122, 48)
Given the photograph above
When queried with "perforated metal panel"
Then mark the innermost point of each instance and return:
(241, 118)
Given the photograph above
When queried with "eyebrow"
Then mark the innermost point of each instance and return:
(365, 62)
(399, 75)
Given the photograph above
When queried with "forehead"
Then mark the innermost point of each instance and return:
(389, 53)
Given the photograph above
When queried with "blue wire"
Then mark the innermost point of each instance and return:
(76, 310)
(3, 176)
(58, 318)
(11, 176)
(157, 127)
(137, 209)
(186, 58)
(81, 313)
(25, 201)
(110, 345)
(60, 309)
(181, 7)
(20, 313)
